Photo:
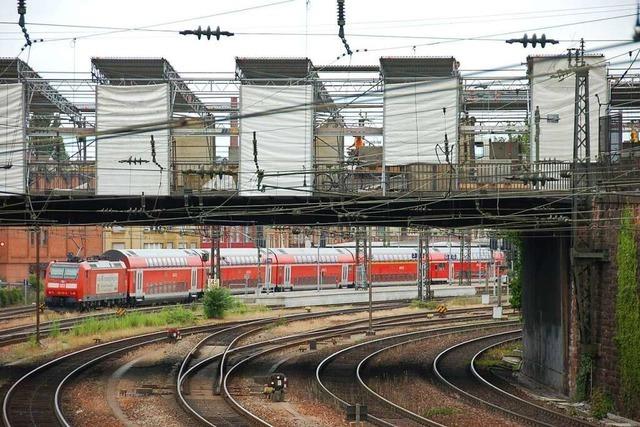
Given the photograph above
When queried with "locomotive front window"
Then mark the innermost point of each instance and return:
(63, 272)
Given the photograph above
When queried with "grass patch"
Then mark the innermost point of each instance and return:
(280, 321)
(440, 411)
(429, 305)
(463, 301)
(241, 308)
(54, 332)
(493, 356)
(173, 316)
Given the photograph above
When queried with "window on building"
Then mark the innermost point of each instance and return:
(182, 246)
(169, 245)
(193, 246)
(152, 246)
(117, 245)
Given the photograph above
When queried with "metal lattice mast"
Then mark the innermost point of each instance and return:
(583, 256)
(424, 277)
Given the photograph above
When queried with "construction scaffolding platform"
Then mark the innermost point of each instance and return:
(144, 71)
(42, 96)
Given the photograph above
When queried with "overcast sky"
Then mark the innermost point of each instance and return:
(385, 28)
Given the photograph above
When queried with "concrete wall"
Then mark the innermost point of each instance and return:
(544, 309)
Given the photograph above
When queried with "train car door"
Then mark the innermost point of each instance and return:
(287, 277)
(267, 276)
(139, 283)
(194, 281)
(345, 275)
(360, 276)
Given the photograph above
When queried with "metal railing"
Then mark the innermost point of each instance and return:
(70, 176)
(344, 179)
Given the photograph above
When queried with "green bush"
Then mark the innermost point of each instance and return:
(216, 302)
(583, 382)
(601, 404)
(10, 296)
(515, 275)
(627, 336)
(33, 282)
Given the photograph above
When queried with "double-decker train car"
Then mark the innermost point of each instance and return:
(161, 275)
(476, 262)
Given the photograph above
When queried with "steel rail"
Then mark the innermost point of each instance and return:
(446, 330)
(303, 337)
(5, 404)
(511, 396)
(184, 372)
(473, 397)
(191, 330)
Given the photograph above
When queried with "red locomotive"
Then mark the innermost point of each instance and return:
(144, 276)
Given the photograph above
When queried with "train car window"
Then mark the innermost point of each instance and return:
(63, 272)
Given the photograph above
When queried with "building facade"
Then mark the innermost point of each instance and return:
(180, 237)
(18, 248)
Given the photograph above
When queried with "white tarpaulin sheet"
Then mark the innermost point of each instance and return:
(284, 140)
(555, 96)
(122, 106)
(12, 142)
(414, 122)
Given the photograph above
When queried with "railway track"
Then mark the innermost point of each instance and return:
(10, 313)
(204, 403)
(34, 399)
(455, 367)
(22, 333)
(340, 374)
(198, 397)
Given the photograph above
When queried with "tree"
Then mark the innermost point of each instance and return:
(47, 147)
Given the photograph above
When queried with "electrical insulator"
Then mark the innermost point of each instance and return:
(341, 12)
(525, 40)
(200, 32)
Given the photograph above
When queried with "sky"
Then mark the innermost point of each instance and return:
(307, 28)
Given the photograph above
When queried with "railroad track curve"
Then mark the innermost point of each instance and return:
(454, 367)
